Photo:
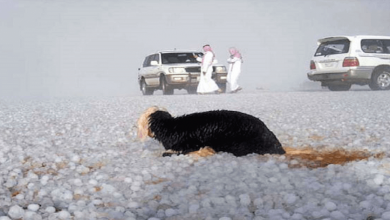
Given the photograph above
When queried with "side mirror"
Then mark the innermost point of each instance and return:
(154, 63)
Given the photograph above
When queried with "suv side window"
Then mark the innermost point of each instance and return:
(375, 46)
(155, 57)
(150, 58)
(147, 61)
(386, 46)
(333, 47)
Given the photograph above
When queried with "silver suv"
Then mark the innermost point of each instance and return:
(169, 70)
(342, 61)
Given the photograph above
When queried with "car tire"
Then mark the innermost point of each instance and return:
(167, 90)
(339, 87)
(222, 86)
(380, 80)
(145, 90)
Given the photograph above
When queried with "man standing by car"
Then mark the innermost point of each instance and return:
(206, 83)
(234, 71)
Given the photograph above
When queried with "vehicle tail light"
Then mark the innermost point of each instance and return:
(312, 65)
(350, 61)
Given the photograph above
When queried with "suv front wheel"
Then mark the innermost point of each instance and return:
(167, 90)
(380, 80)
(145, 90)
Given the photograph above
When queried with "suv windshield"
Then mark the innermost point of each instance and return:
(179, 57)
(333, 47)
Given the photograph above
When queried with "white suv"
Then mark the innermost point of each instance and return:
(169, 70)
(342, 61)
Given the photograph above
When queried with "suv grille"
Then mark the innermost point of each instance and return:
(195, 69)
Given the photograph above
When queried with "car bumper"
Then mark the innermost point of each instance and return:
(193, 78)
(183, 79)
(358, 76)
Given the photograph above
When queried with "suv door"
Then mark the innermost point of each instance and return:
(151, 72)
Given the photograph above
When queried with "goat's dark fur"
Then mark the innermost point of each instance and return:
(222, 130)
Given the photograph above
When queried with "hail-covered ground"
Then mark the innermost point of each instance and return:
(78, 158)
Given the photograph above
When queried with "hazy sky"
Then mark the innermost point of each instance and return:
(95, 47)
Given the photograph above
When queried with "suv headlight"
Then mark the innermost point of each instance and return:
(220, 69)
(177, 70)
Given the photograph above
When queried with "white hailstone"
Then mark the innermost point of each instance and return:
(78, 191)
(170, 212)
(316, 214)
(50, 209)
(32, 175)
(108, 189)
(63, 215)
(31, 215)
(44, 179)
(128, 180)
(290, 198)
(193, 208)
(77, 182)
(33, 207)
(258, 202)
(117, 195)
(147, 177)
(365, 204)
(330, 206)
(67, 195)
(4, 218)
(19, 197)
(31, 186)
(97, 202)
(120, 209)
(75, 158)
(135, 187)
(81, 203)
(386, 215)
(71, 165)
(100, 177)
(192, 188)
(42, 193)
(93, 182)
(10, 183)
(78, 214)
(273, 179)
(337, 215)
(378, 179)
(297, 216)
(16, 212)
(133, 205)
(73, 207)
(82, 169)
(245, 200)
(283, 166)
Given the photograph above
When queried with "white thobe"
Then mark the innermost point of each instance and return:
(234, 72)
(206, 83)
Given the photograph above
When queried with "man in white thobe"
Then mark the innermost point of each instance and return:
(206, 83)
(234, 70)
